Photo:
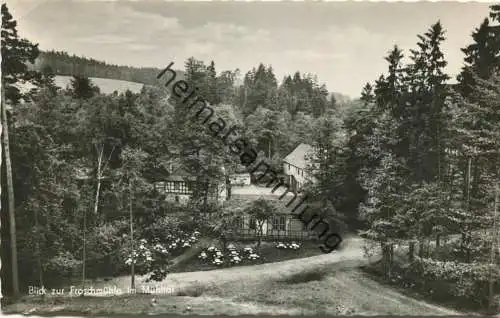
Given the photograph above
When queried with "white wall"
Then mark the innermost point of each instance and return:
(299, 174)
(242, 179)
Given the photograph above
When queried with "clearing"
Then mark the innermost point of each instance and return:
(325, 284)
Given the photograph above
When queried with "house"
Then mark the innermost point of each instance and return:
(240, 179)
(281, 226)
(295, 166)
(178, 187)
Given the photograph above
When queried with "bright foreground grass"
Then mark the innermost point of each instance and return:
(345, 291)
(326, 284)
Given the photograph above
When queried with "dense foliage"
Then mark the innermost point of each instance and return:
(414, 161)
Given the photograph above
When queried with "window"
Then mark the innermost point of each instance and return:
(279, 223)
(252, 224)
(304, 227)
(177, 186)
(168, 187)
(160, 186)
(238, 223)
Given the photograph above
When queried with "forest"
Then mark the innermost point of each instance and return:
(413, 161)
(61, 63)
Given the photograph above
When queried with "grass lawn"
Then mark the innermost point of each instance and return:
(375, 272)
(330, 284)
(319, 290)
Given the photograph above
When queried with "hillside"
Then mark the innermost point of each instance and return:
(61, 63)
(65, 65)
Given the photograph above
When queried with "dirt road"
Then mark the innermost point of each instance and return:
(350, 256)
(346, 286)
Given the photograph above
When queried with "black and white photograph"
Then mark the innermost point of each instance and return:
(333, 158)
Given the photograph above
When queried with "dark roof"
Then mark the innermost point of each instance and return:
(180, 174)
(299, 157)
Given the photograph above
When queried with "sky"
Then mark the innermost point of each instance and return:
(343, 43)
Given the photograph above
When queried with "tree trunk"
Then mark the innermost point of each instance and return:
(269, 149)
(260, 224)
(10, 199)
(84, 256)
(96, 206)
(99, 175)
(223, 241)
(37, 248)
(411, 251)
(467, 233)
(391, 260)
(132, 266)
(438, 240)
(385, 258)
(421, 248)
(205, 196)
(491, 284)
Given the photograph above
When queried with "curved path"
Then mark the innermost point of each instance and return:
(351, 255)
(358, 288)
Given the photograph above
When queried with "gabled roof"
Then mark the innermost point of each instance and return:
(180, 174)
(300, 156)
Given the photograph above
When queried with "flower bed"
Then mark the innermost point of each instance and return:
(242, 253)
(153, 257)
(230, 256)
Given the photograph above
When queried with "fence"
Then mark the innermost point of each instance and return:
(279, 227)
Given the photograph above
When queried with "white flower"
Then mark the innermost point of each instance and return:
(231, 247)
(211, 248)
(217, 261)
(186, 244)
(253, 256)
(218, 254)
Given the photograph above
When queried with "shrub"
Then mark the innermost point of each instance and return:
(153, 257)
(229, 257)
(290, 246)
(464, 280)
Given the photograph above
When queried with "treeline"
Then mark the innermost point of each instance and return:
(414, 162)
(61, 63)
(81, 162)
(427, 156)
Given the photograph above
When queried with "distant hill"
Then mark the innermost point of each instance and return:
(110, 77)
(61, 63)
